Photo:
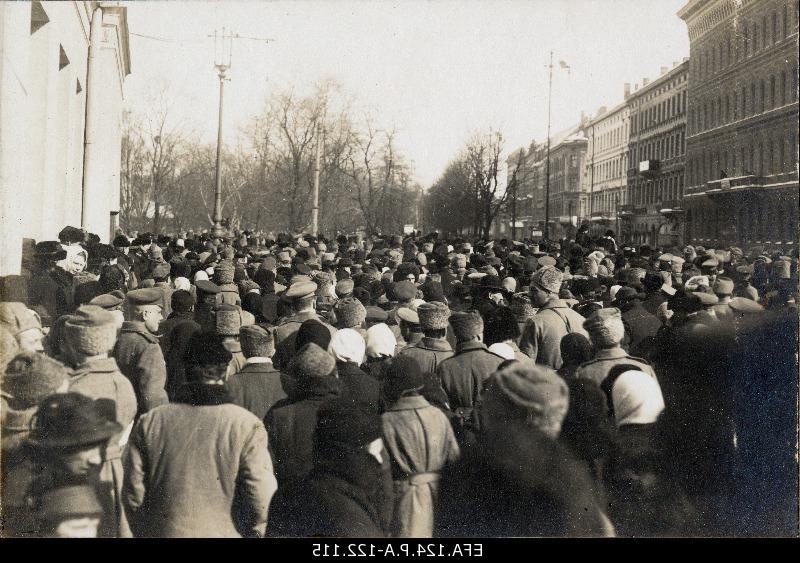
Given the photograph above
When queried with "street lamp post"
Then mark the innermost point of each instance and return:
(222, 69)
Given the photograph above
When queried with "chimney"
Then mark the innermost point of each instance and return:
(626, 89)
(664, 70)
(645, 82)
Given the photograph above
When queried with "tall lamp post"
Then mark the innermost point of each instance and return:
(222, 69)
(562, 64)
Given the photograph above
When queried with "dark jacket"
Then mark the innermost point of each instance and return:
(344, 496)
(257, 387)
(140, 359)
(519, 484)
(357, 386)
(286, 333)
(175, 334)
(291, 423)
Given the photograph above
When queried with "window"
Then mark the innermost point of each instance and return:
(774, 27)
(744, 101)
(745, 40)
(794, 83)
(772, 92)
(785, 21)
(752, 98)
(783, 88)
(754, 41)
(763, 95)
(764, 32)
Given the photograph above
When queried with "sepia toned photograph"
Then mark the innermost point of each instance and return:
(399, 277)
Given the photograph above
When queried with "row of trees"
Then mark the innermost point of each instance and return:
(168, 179)
(469, 195)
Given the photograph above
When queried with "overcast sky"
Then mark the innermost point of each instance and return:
(437, 71)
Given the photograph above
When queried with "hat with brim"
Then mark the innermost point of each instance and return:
(408, 315)
(72, 420)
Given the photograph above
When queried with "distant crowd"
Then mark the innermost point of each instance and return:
(253, 385)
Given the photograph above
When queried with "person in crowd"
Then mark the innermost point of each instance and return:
(519, 480)
(420, 442)
(349, 348)
(183, 483)
(348, 492)
(380, 350)
(68, 442)
(24, 324)
(541, 339)
(70, 511)
(606, 330)
(501, 328)
(433, 348)
(302, 297)
(640, 325)
(138, 352)
(29, 377)
(90, 336)
(176, 331)
(258, 386)
(463, 375)
(229, 319)
(291, 421)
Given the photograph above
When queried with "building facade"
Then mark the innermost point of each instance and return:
(62, 70)
(653, 213)
(742, 172)
(607, 165)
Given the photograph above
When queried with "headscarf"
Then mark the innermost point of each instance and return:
(637, 398)
(380, 341)
(347, 345)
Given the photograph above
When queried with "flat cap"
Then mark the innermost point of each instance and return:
(206, 286)
(666, 258)
(344, 287)
(546, 261)
(404, 290)
(408, 315)
(705, 298)
(745, 305)
(109, 301)
(147, 296)
(301, 289)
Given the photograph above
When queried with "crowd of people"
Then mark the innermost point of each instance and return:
(420, 386)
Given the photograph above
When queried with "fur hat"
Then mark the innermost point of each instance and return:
(500, 325)
(433, 315)
(347, 345)
(350, 313)
(228, 320)
(404, 374)
(466, 325)
(181, 301)
(536, 392)
(17, 318)
(91, 330)
(161, 271)
(522, 307)
(380, 341)
(257, 341)
(460, 261)
(433, 291)
(311, 361)
(314, 331)
(723, 286)
(344, 287)
(605, 327)
(223, 272)
(205, 349)
(343, 425)
(404, 290)
(547, 278)
(30, 377)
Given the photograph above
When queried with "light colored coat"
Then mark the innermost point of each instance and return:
(420, 442)
(541, 339)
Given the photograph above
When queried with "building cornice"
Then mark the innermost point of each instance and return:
(666, 77)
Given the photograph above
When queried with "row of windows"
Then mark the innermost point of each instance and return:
(763, 158)
(663, 148)
(654, 115)
(667, 187)
(755, 222)
(761, 95)
(612, 138)
(612, 168)
(752, 38)
(607, 201)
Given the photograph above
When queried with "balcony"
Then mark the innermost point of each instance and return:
(649, 168)
(671, 207)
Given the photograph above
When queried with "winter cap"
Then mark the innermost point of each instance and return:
(314, 331)
(91, 330)
(69, 420)
(503, 350)
(142, 297)
(161, 271)
(224, 272)
(466, 325)
(228, 320)
(500, 325)
(535, 391)
(257, 340)
(605, 327)
(548, 279)
(433, 315)
(723, 286)
(404, 290)
(380, 341)
(344, 287)
(181, 301)
(347, 345)
(433, 291)
(343, 425)
(575, 349)
(67, 502)
(637, 398)
(32, 376)
(311, 362)
(109, 301)
(403, 374)
(408, 315)
(205, 349)
(350, 313)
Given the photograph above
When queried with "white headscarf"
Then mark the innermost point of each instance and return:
(347, 345)
(637, 398)
(200, 275)
(503, 350)
(380, 341)
(182, 283)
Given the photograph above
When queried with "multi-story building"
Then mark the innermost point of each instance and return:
(742, 175)
(657, 147)
(62, 69)
(607, 165)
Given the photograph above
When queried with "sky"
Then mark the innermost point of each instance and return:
(436, 71)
